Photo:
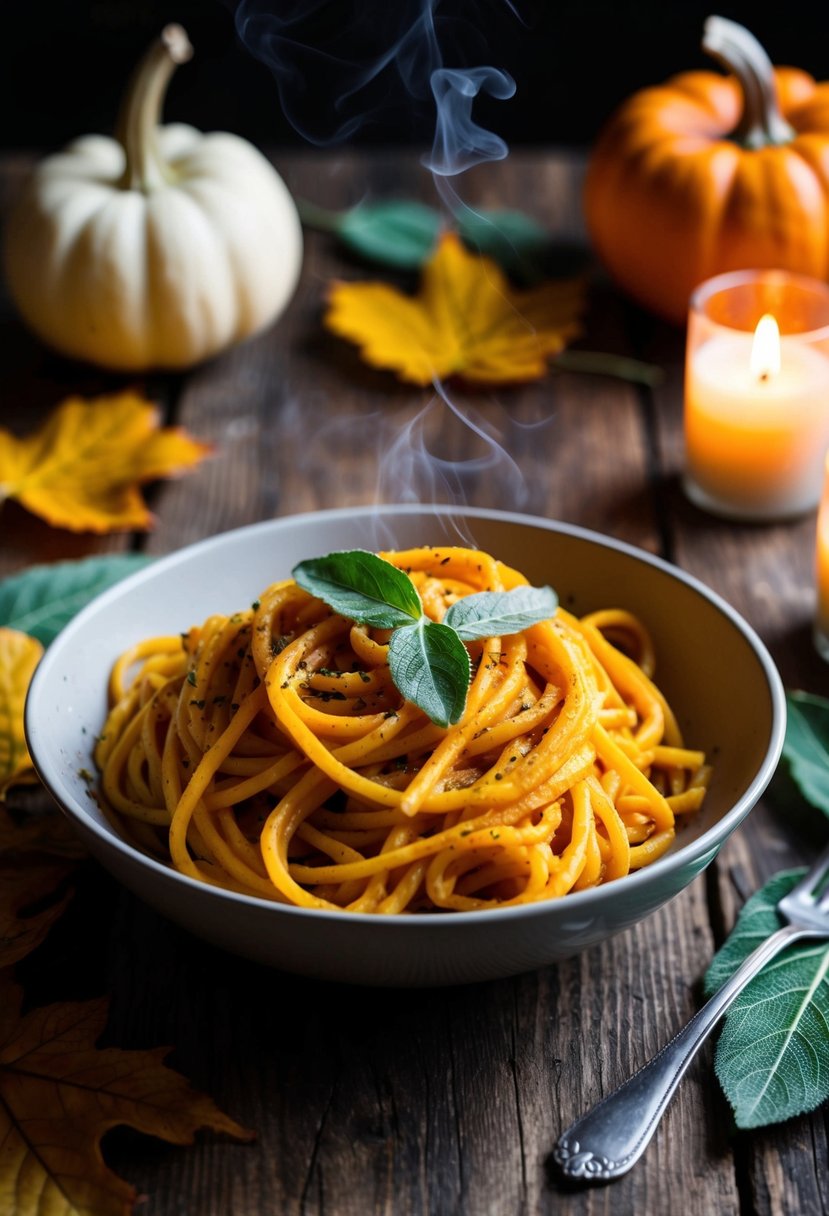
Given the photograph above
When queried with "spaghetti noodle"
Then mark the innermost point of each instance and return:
(270, 753)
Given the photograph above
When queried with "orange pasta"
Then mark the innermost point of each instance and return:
(269, 752)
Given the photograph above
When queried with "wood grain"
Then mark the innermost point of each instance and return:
(436, 1102)
(766, 573)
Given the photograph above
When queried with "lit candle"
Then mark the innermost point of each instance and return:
(756, 403)
(822, 572)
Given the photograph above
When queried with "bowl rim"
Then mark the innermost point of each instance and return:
(593, 898)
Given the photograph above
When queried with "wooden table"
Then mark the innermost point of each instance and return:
(446, 1101)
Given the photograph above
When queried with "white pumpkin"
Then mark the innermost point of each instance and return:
(158, 249)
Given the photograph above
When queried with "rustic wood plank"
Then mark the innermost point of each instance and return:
(385, 1102)
(466, 1121)
(398, 1102)
(766, 573)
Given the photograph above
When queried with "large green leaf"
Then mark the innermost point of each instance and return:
(361, 586)
(43, 599)
(430, 666)
(773, 1055)
(491, 614)
(399, 234)
(806, 748)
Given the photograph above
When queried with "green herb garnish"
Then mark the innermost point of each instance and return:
(773, 1055)
(806, 748)
(429, 662)
(363, 587)
(43, 599)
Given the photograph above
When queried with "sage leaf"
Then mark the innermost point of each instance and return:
(806, 746)
(772, 1059)
(397, 233)
(43, 599)
(361, 586)
(402, 233)
(428, 661)
(430, 666)
(496, 613)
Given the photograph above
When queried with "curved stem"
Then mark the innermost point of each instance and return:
(598, 363)
(141, 110)
(321, 218)
(739, 52)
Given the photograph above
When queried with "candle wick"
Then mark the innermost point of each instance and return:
(764, 377)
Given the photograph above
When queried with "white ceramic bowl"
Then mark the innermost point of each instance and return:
(715, 671)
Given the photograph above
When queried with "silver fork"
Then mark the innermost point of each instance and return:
(611, 1137)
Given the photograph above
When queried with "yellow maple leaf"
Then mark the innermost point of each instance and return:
(82, 469)
(19, 656)
(466, 320)
(59, 1094)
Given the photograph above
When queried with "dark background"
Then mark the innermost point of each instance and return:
(64, 63)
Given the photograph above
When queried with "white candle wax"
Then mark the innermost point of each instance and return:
(755, 445)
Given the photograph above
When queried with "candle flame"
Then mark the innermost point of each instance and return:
(765, 349)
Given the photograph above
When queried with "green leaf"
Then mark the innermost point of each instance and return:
(518, 243)
(361, 586)
(496, 613)
(806, 747)
(43, 599)
(773, 1055)
(402, 234)
(430, 666)
(428, 661)
(397, 233)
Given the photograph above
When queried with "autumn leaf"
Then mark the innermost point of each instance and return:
(19, 656)
(82, 469)
(59, 1094)
(38, 832)
(37, 852)
(31, 900)
(466, 320)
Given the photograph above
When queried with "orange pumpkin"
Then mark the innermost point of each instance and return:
(706, 174)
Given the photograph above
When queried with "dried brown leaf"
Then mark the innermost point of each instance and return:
(59, 1094)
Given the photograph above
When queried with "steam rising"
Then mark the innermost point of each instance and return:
(459, 142)
(340, 64)
(408, 466)
(409, 463)
(333, 62)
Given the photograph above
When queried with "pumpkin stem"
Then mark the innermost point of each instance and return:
(739, 52)
(141, 110)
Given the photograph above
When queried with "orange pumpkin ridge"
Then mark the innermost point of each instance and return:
(674, 194)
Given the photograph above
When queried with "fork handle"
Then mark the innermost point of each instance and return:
(611, 1137)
